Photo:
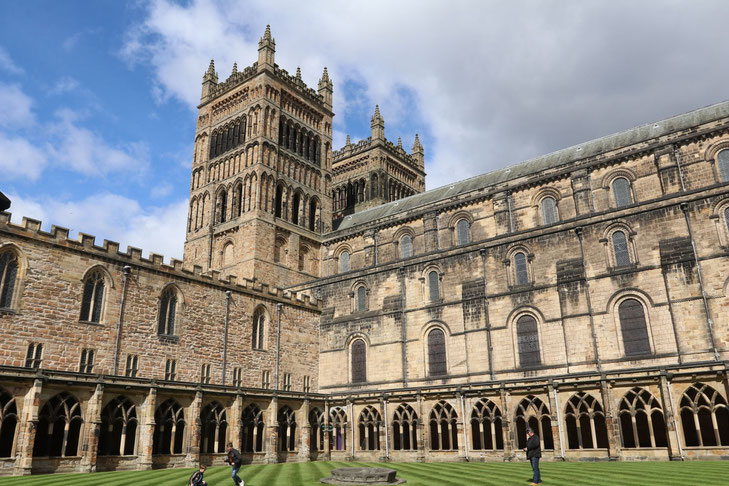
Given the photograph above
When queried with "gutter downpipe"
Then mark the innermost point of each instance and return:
(225, 334)
(709, 321)
(278, 340)
(125, 279)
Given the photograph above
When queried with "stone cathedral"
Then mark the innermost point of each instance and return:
(328, 307)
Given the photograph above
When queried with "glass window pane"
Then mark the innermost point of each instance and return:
(344, 261)
(723, 160)
(520, 267)
(463, 230)
(528, 341)
(549, 210)
(621, 192)
(359, 361)
(620, 247)
(633, 326)
(361, 298)
(436, 353)
(406, 246)
(433, 285)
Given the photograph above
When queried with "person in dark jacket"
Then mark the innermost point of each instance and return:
(197, 478)
(236, 460)
(533, 451)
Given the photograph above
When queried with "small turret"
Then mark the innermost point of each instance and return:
(326, 88)
(418, 151)
(378, 125)
(235, 69)
(399, 143)
(266, 50)
(210, 80)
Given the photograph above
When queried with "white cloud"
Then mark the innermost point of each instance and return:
(491, 84)
(7, 64)
(17, 107)
(113, 217)
(65, 84)
(20, 159)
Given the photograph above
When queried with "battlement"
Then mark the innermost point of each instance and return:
(351, 149)
(58, 235)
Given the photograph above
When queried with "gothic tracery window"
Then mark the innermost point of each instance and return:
(259, 329)
(167, 312)
(286, 429)
(8, 423)
(532, 412)
(405, 429)
(338, 432)
(93, 297)
(118, 428)
(585, 421)
(641, 420)
(443, 427)
(486, 426)
(169, 428)
(8, 277)
(316, 422)
(252, 427)
(369, 429)
(704, 417)
(214, 428)
(59, 427)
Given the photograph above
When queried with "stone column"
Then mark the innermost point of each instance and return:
(385, 440)
(146, 430)
(326, 446)
(91, 431)
(272, 442)
(27, 426)
(674, 452)
(235, 419)
(430, 231)
(667, 168)
(556, 419)
(305, 440)
(611, 421)
(423, 442)
(461, 427)
(192, 459)
(509, 444)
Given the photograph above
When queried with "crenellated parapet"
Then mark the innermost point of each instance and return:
(59, 236)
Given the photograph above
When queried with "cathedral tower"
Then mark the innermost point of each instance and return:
(261, 172)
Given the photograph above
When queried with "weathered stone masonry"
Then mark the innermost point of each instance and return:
(327, 308)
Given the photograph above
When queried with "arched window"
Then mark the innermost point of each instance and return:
(214, 428)
(338, 432)
(532, 412)
(344, 262)
(726, 215)
(369, 429)
(486, 426)
(436, 353)
(463, 232)
(405, 429)
(521, 272)
(8, 277)
(222, 206)
(527, 337)
(443, 427)
(286, 429)
(633, 328)
(312, 214)
(8, 423)
(259, 330)
(316, 422)
(59, 427)
(361, 298)
(433, 286)
(722, 159)
(169, 428)
(704, 417)
(93, 298)
(167, 312)
(549, 210)
(295, 205)
(278, 203)
(359, 361)
(406, 246)
(118, 428)
(621, 192)
(585, 420)
(620, 249)
(252, 427)
(303, 253)
(279, 251)
(641, 420)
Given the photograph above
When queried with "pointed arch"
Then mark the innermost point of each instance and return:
(8, 423)
(405, 428)
(533, 412)
(252, 429)
(704, 417)
(338, 432)
(486, 426)
(169, 428)
(368, 426)
(641, 420)
(118, 428)
(59, 427)
(286, 429)
(443, 427)
(214, 428)
(585, 422)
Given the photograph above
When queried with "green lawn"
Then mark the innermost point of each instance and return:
(430, 474)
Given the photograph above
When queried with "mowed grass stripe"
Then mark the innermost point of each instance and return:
(417, 474)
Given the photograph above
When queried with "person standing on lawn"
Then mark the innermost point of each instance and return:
(236, 461)
(533, 451)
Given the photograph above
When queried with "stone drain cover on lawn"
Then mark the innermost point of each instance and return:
(363, 475)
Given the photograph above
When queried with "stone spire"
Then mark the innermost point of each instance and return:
(209, 81)
(298, 73)
(378, 125)
(266, 50)
(418, 151)
(348, 141)
(399, 142)
(326, 88)
(235, 69)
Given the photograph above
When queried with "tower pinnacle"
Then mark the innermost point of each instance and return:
(326, 88)
(266, 50)
(378, 125)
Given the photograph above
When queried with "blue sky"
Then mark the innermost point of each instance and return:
(99, 96)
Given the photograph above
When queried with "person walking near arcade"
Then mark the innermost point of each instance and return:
(236, 461)
(533, 451)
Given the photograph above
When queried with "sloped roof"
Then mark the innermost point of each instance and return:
(559, 158)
